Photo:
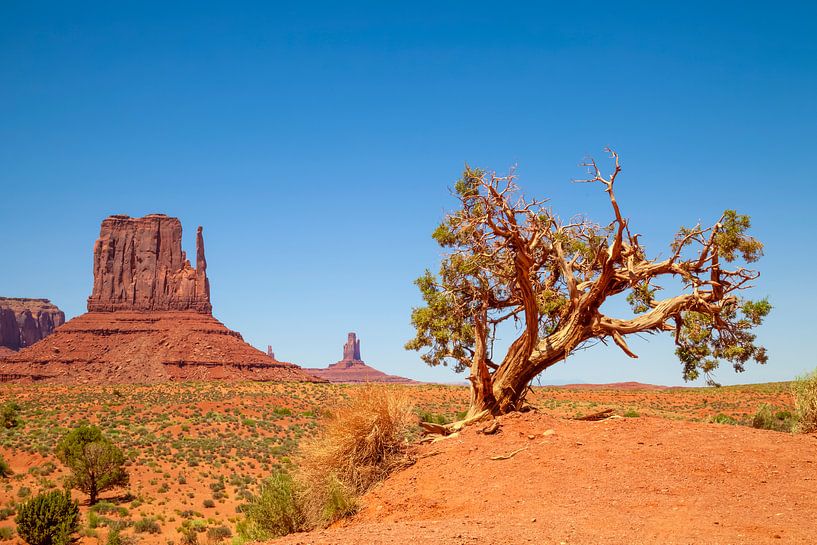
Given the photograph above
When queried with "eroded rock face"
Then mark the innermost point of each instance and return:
(139, 265)
(23, 322)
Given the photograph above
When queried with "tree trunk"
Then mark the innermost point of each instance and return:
(482, 394)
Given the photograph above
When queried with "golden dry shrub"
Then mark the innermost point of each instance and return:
(805, 402)
(363, 440)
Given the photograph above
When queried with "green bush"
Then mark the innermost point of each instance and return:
(48, 519)
(767, 419)
(5, 470)
(274, 512)
(6, 533)
(805, 402)
(9, 415)
(147, 525)
(721, 418)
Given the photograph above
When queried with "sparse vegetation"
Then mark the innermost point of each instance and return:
(48, 519)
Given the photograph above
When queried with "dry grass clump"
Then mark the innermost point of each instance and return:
(363, 440)
(805, 402)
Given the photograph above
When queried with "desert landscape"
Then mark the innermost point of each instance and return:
(369, 273)
(680, 465)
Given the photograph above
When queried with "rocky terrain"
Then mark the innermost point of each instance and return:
(23, 322)
(149, 320)
(351, 367)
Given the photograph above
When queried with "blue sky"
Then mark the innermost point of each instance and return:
(316, 144)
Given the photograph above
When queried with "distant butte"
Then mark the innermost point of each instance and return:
(149, 319)
(23, 322)
(351, 367)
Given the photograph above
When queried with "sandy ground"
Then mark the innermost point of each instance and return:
(619, 481)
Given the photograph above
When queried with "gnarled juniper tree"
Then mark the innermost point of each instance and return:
(510, 258)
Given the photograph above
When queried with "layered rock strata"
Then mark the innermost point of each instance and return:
(149, 319)
(23, 322)
(146, 347)
(351, 367)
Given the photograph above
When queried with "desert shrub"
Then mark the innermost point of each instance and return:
(276, 510)
(767, 419)
(721, 418)
(95, 462)
(48, 519)
(147, 525)
(208, 503)
(218, 533)
(632, 413)
(805, 402)
(5, 470)
(6, 533)
(9, 415)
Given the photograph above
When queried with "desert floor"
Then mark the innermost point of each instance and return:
(664, 472)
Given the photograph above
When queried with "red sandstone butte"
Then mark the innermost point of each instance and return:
(23, 322)
(149, 320)
(351, 367)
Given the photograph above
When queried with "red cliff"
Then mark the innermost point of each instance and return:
(139, 265)
(23, 322)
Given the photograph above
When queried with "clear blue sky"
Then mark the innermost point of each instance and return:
(315, 142)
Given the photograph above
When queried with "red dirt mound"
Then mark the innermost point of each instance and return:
(145, 347)
(623, 480)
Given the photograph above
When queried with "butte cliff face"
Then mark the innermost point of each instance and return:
(351, 367)
(23, 322)
(139, 265)
(149, 319)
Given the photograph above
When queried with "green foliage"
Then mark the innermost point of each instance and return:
(805, 402)
(95, 462)
(632, 413)
(340, 500)
(276, 510)
(732, 239)
(5, 470)
(147, 525)
(705, 339)
(6, 533)
(721, 418)
(766, 418)
(48, 519)
(10, 415)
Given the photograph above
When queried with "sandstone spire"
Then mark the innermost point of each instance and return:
(351, 350)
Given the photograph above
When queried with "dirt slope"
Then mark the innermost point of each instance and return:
(145, 347)
(633, 481)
